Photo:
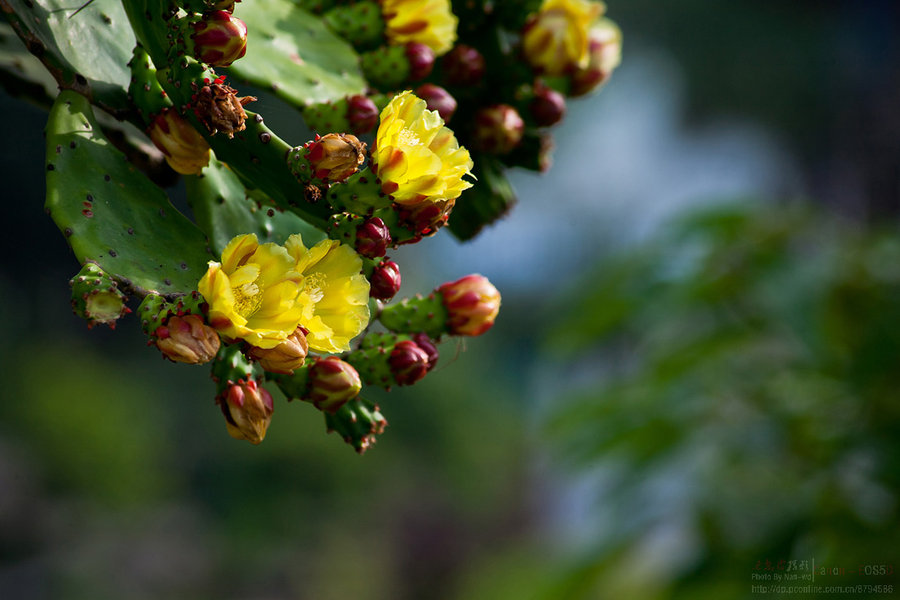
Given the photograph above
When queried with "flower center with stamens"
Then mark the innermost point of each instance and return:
(247, 299)
(408, 138)
(313, 285)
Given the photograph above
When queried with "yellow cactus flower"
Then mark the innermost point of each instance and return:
(334, 296)
(184, 149)
(254, 293)
(556, 40)
(416, 157)
(429, 22)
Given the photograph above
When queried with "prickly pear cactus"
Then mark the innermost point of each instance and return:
(280, 278)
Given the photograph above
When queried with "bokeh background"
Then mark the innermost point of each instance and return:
(693, 382)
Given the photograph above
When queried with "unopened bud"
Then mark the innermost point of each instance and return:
(472, 304)
(385, 281)
(421, 60)
(286, 357)
(427, 345)
(184, 148)
(248, 411)
(605, 54)
(463, 66)
(362, 113)
(187, 339)
(332, 383)
(336, 156)
(408, 362)
(373, 238)
(219, 38)
(548, 107)
(498, 129)
(437, 99)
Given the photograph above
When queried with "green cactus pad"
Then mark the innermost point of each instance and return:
(412, 315)
(361, 24)
(293, 53)
(294, 386)
(357, 422)
(87, 51)
(231, 366)
(327, 117)
(223, 209)
(112, 214)
(359, 194)
(386, 67)
(21, 73)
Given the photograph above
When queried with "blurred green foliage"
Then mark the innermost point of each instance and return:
(733, 386)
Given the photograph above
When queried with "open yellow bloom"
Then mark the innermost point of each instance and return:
(254, 294)
(334, 296)
(556, 41)
(416, 157)
(429, 22)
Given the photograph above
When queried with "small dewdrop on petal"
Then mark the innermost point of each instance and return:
(428, 22)
(555, 40)
(416, 157)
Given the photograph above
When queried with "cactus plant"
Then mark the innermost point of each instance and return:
(278, 272)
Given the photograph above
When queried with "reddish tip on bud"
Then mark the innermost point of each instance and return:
(437, 99)
(333, 383)
(385, 281)
(188, 340)
(427, 345)
(284, 358)
(219, 38)
(498, 129)
(472, 304)
(336, 156)
(248, 411)
(421, 60)
(373, 238)
(362, 114)
(463, 66)
(548, 107)
(408, 362)
(605, 52)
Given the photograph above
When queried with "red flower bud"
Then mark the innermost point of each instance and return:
(548, 107)
(219, 38)
(372, 238)
(498, 129)
(427, 345)
(472, 304)
(248, 411)
(187, 340)
(362, 114)
(438, 99)
(605, 52)
(463, 66)
(336, 156)
(408, 362)
(421, 60)
(333, 383)
(385, 281)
